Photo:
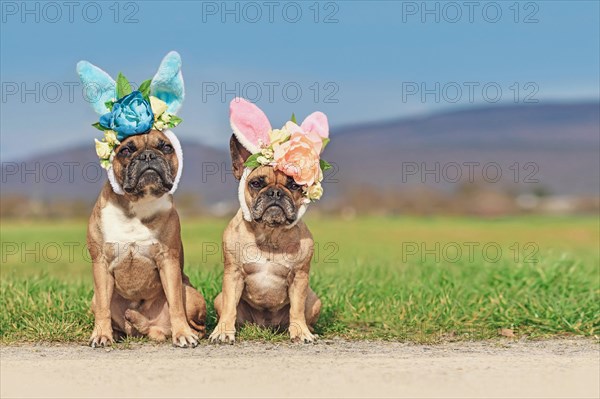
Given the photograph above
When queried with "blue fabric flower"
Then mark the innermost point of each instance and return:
(130, 115)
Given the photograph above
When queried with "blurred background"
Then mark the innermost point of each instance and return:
(460, 108)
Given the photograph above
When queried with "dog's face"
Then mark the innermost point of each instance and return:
(272, 197)
(145, 164)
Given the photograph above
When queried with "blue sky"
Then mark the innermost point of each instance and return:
(358, 61)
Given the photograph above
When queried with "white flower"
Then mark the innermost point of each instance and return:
(315, 191)
(267, 152)
(158, 106)
(263, 160)
(111, 137)
(278, 136)
(103, 149)
(159, 125)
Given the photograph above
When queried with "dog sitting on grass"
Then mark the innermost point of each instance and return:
(267, 248)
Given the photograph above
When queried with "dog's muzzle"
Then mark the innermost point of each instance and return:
(274, 207)
(147, 168)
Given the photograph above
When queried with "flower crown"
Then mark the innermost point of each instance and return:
(126, 112)
(294, 149)
(135, 112)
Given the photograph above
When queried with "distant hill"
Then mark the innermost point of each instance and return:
(557, 144)
(74, 173)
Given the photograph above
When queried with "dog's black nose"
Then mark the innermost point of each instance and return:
(146, 156)
(274, 192)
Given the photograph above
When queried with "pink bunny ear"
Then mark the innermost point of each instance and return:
(249, 124)
(316, 122)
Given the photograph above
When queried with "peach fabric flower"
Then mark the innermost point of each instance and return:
(299, 156)
(313, 136)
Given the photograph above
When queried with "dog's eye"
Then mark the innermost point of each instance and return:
(256, 184)
(294, 187)
(125, 152)
(167, 148)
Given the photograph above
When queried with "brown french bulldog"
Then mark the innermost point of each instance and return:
(134, 240)
(267, 260)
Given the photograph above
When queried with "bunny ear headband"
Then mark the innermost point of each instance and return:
(294, 150)
(125, 112)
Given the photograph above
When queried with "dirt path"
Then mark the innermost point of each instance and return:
(560, 368)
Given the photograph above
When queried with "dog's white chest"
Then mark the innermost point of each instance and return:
(127, 236)
(117, 227)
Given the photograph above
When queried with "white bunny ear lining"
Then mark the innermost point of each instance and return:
(178, 151)
(154, 104)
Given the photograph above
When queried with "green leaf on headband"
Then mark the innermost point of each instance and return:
(109, 104)
(105, 163)
(325, 165)
(123, 86)
(174, 121)
(98, 126)
(325, 142)
(145, 88)
(252, 161)
(293, 118)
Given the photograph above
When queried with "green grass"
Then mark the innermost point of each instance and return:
(378, 278)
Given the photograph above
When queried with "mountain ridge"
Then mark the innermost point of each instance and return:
(562, 139)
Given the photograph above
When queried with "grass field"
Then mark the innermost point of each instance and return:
(412, 279)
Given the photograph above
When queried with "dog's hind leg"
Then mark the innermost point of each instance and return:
(144, 326)
(120, 326)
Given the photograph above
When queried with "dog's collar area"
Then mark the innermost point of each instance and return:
(178, 152)
(246, 210)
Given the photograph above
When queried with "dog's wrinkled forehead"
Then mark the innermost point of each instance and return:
(154, 139)
(269, 175)
(264, 177)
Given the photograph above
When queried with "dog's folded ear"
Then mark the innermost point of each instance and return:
(239, 155)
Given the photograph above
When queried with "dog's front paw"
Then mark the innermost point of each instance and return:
(301, 333)
(184, 338)
(222, 335)
(101, 337)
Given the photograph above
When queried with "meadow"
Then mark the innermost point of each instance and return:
(406, 278)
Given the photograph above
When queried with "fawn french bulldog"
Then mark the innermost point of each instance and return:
(140, 288)
(267, 247)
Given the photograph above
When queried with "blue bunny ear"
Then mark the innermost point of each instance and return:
(167, 84)
(98, 86)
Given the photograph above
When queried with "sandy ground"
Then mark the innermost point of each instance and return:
(558, 368)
